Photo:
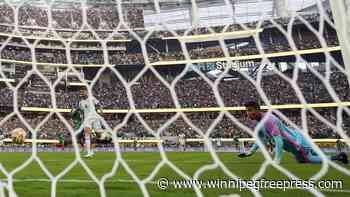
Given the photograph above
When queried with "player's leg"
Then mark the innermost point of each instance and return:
(87, 139)
(182, 145)
(315, 158)
(304, 155)
(102, 133)
(307, 155)
(80, 138)
(92, 128)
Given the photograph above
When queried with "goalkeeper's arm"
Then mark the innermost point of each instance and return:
(255, 146)
(277, 139)
(278, 148)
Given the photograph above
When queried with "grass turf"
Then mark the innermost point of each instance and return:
(32, 181)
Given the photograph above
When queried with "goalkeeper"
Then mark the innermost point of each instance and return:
(275, 132)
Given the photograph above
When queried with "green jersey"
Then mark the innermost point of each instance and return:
(61, 138)
(77, 117)
(236, 140)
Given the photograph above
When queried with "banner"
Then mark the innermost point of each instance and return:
(215, 69)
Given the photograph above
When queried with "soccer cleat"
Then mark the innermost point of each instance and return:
(343, 158)
(89, 155)
(242, 155)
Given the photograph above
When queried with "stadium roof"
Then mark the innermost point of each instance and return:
(294, 5)
(240, 11)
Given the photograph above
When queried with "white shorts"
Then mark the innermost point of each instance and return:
(182, 142)
(93, 123)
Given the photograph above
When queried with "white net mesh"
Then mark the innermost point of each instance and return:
(163, 82)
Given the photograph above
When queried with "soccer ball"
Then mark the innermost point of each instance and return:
(18, 135)
(106, 135)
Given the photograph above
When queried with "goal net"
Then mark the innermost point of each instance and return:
(171, 76)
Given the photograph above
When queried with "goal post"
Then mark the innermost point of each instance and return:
(341, 15)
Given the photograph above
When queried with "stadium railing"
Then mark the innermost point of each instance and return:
(192, 61)
(211, 109)
(214, 36)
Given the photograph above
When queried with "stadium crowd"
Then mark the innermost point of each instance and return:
(149, 92)
(98, 17)
(106, 17)
(226, 128)
(270, 42)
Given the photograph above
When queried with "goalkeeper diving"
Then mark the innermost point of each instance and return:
(274, 132)
(87, 116)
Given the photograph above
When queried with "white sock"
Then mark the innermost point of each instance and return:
(88, 144)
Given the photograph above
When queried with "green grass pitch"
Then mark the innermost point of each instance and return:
(31, 181)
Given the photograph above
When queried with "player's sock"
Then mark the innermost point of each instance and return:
(88, 144)
(92, 150)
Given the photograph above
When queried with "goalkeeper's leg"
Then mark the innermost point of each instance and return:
(306, 154)
(310, 156)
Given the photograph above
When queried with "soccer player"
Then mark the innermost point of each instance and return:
(91, 120)
(340, 146)
(182, 142)
(274, 131)
(236, 142)
(61, 141)
(2, 137)
(77, 118)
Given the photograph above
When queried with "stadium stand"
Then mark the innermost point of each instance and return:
(149, 91)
